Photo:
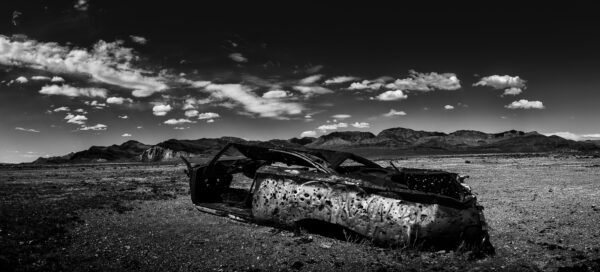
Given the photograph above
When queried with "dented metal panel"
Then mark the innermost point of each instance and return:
(287, 199)
(391, 206)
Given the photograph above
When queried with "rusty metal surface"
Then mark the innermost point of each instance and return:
(286, 201)
(391, 206)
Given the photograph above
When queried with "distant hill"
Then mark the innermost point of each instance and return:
(394, 140)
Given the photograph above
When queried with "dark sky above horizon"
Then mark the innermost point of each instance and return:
(80, 73)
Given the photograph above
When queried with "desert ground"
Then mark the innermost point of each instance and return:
(543, 211)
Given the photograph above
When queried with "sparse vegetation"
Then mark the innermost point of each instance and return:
(542, 210)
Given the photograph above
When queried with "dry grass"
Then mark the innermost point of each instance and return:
(544, 212)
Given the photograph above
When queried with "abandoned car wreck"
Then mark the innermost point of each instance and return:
(388, 205)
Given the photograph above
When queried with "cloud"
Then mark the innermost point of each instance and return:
(341, 116)
(21, 80)
(208, 115)
(512, 91)
(81, 111)
(210, 121)
(161, 109)
(449, 107)
(126, 135)
(94, 127)
(57, 79)
(390, 96)
(67, 90)
(123, 116)
(243, 95)
(95, 104)
(394, 112)
(525, 104)
(361, 125)
(308, 133)
(191, 113)
(118, 100)
(178, 121)
(138, 39)
(340, 79)
(76, 119)
(312, 90)
(238, 57)
(190, 103)
(81, 5)
(275, 94)
(332, 126)
(314, 69)
(61, 109)
(106, 62)
(365, 84)
(40, 78)
(575, 137)
(501, 82)
(426, 82)
(181, 128)
(27, 129)
(310, 80)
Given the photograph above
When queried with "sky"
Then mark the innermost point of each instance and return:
(79, 73)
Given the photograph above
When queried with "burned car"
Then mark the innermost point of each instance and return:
(388, 205)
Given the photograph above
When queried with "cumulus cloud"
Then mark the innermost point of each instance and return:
(340, 79)
(341, 116)
(365, 84)
(61, 109)
(208, 115)
(512, 91)
(67, 90)
(243, 95)
(390, 96)
(81, 5)
(210, 121)
(81, 111)
(118, 100)
(178, 121)
(21, 80)
(126, 135)
(161, 109)
(312, 90)
(76, 119)
(94, 127)
(191, 103)
(361, 125)
(106, 62)
(335, 126)
(275, 94)
(394, 112)
(238, 57)
(311, 79)
(449, 107)
(525, 104)
(95, 104)
(191, 113)
(138, 39)
(57, 79)
(123, 116)
(27, 129)
(426, 82)
(308, 133)
(38, 78)
(501, 82)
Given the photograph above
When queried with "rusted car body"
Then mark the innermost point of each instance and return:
(390, 206)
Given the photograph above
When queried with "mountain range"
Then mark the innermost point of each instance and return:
(393, 141)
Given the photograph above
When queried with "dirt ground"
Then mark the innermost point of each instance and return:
(544, 214)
